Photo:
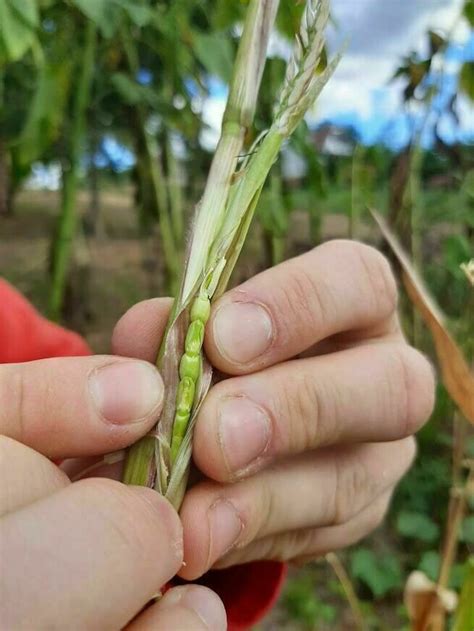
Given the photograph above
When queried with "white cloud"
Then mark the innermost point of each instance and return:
(379, 34)
(212, 113)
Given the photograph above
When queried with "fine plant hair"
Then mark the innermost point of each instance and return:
(222, 219)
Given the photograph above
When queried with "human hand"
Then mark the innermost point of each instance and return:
(90, 554)
(304, 443)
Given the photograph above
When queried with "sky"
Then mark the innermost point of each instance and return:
(378, 34)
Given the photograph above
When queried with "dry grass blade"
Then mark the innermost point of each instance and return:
(344, 579)
(457, 377)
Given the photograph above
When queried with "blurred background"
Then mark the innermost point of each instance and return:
(109, 113)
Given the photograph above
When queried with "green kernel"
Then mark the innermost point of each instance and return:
(190, 366)
(194, 338)
(185, 396)
(181, 422)
(200, 309)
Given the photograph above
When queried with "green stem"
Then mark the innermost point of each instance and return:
(62, 245)
(158, 184)
(238, 117)
(175, 193)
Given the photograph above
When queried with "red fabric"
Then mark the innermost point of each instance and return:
(25, 335)
(248, 591)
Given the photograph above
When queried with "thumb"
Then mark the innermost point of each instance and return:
(188, 608)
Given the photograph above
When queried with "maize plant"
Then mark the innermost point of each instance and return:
(222, 220)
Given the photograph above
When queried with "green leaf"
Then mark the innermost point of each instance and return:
(132, 92)
(466, 80)
(289, 18)
(139, 14)
(469, 11)
(18, 22)
(102, 12)
(429, 564)
(381, 573)
(216, 54)
(107, 14)
(468, 184)
(417, 526)
(303, 604)
(464, 620)
(226, 14)
(467, 530)
(43, 122)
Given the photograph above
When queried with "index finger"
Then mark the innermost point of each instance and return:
(79, 406)
(337, 287)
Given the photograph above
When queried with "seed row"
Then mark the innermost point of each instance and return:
(189, 369)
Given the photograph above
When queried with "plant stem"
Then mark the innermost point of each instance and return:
(238, 118)
(62, 245)
(175, 192)
(157, 179)
(348, 588)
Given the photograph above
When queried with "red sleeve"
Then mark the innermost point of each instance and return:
(25, 335)
(248, 591)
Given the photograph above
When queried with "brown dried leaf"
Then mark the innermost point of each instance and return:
(457, 377)
(427, 604)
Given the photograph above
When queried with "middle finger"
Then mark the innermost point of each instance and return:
(380, 392)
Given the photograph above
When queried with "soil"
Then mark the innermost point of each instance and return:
(116, 269)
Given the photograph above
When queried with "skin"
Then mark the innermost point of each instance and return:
(300, 446)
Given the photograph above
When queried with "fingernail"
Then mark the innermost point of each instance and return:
(244, 431)
(202, 601)
(225, 527)
(126, 391)
(242, 331)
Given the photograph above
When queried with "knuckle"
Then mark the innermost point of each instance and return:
(302, 298)
(379, 277)
(302, 408)
(294, 544)
(351, 488)
(265, 518)
(258, 509)
(415, 388)
(375, 270)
